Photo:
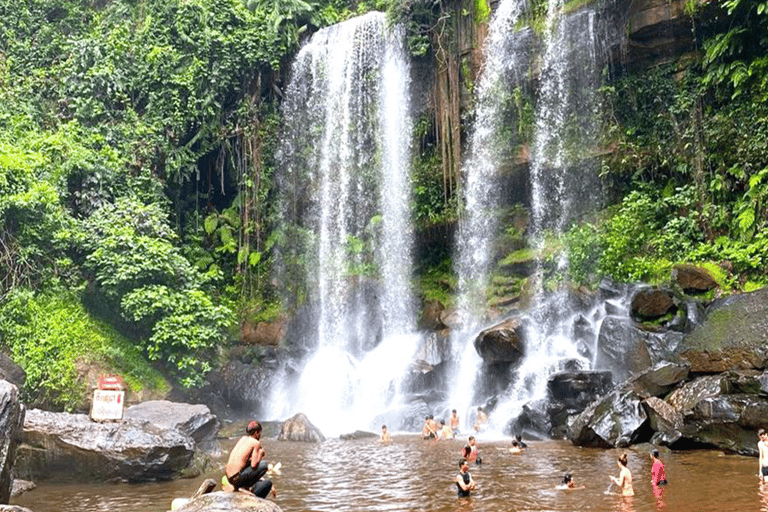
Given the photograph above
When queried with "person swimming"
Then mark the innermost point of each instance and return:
(568, 483)
(464, 482)
(515, 449)
(624, 481)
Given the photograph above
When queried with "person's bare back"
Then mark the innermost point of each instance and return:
(248, 449)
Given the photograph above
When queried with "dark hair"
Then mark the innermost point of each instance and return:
(761, 432)
(623, 459)
(471, 438)
(567, 479)
(655, 454)
(462, 462)
(515, 443)
(466, 451)
(383, 426)
(519, 437)
(454, 410)
(442, 422)
(253, 427)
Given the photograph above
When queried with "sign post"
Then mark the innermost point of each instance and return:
(108, 399)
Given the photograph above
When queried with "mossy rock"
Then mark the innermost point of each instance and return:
(734, 335)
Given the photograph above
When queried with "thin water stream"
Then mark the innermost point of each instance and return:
(414, 475)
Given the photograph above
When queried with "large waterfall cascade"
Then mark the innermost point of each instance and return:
(557, 333)
(348, 143)
(504, 63)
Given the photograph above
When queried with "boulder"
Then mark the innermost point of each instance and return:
(579, 388)
(652, 303)
(358, 434)
(430, 316)
(693, 279)
(433, 349)
(13, 508)
(10, 371)
(616, 420)
(299, 428)
(501, 343)
(664, 420)
(21, 486)
(624, 349)
(658, 380)
(196, 421)
(11, 420)
(129, 450)
(733, 335)
(729, 422)
(534, 417)
(222, 501)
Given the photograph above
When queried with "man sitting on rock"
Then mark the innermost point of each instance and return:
(246, 465)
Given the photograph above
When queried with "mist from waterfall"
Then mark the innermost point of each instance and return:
(504, 64)
(344, 168)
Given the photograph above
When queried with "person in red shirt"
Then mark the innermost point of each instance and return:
(658, 474)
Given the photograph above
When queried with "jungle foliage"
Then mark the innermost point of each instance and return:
(690, 158)
(126, 128)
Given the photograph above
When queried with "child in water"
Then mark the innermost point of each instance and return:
(385, 437)
(568, 483)
(624, 481)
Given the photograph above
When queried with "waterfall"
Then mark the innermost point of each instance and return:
(344, 171)
(504, 63)
(559, 332)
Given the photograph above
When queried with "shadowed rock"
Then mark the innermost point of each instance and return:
(660, 379)
(651, 303)
(11, 421)
(616, 420)
(501, 343)
(299, 428)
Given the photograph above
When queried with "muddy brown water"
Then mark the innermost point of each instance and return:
(414, 475)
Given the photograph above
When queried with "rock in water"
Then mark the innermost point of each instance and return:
(222, 501)
(72, 443)
(299, 428)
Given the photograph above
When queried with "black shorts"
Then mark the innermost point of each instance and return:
(765, 470)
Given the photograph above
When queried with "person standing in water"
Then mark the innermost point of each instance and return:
(455, 422)
(445, 431)
(658, 473)
(470, 453)
(762, 448)
(482, 420)
(464, 482)
(246, 465)
(624, 481)
(385, 437)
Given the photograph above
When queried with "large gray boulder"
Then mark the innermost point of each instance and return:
(222, 501)
(625, 349)
(501, 343)
(658, 380)
(11, 421)
(734, 335)
(129, 450)
(299, 428)
(616, 420)
(196, 421)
